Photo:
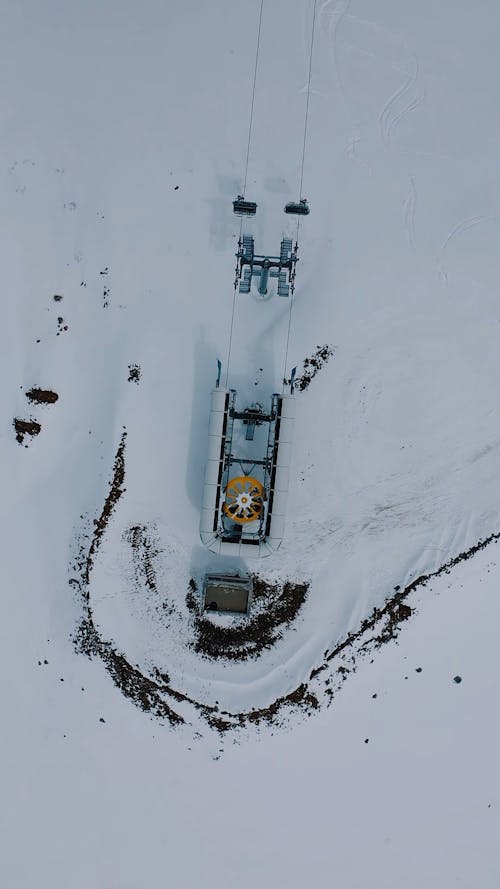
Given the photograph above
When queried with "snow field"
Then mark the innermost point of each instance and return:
(105, 110)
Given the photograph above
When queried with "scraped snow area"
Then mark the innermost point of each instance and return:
(124, 131)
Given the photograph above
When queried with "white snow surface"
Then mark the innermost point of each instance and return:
(106, 108)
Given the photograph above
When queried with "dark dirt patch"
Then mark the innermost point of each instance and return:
(116, 489)
(394, 616)
(312, 366)
(163, 677)
(395, 611)
(134, 373)
(300, 698)
(57, 297)
(144, 551)
(192, 598)
(141, 689)
(25, 427)
(274, 607)
(41, 396)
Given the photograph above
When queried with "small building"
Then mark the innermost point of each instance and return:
(227, 593)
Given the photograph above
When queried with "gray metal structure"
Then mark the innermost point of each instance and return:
(252, 265)
(235, 458)
(242, 207)
(298, 208)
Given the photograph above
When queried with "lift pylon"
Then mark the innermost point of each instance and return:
(251, 265)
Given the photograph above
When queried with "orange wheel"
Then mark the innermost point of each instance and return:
(244, 499)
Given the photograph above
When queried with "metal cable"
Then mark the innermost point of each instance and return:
(230, 337)
(307, 100)
(253, 94)
(245, 178)
(306, 122)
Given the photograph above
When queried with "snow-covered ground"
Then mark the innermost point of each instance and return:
(124, 131)
(129, 803)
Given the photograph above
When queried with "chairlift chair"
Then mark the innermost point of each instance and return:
(244, 208)
(298, 208)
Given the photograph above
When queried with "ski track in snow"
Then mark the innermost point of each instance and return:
(459, 229)
(386, 121)
(409, 209)
(335, 17)
(412, 105)
(464, 226)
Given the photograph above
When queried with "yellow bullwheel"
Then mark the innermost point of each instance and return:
(244, 499)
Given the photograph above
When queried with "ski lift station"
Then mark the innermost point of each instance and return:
(247, 472)
(245, 492)
(243, 509)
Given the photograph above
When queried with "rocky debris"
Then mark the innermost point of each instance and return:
(394, 617)
(192, 597)
(41, 396)
(457, 679)
(61, 326)
(116, 489)
(300, 697)
(162, 677)
(25, 427)
(394, 609)
(131, 682)
(134, 373)
(312, 366)
(144, 550)
(57, 297)
(144, 691)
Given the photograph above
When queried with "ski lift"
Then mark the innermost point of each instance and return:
(244, 208)
(298, 208)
